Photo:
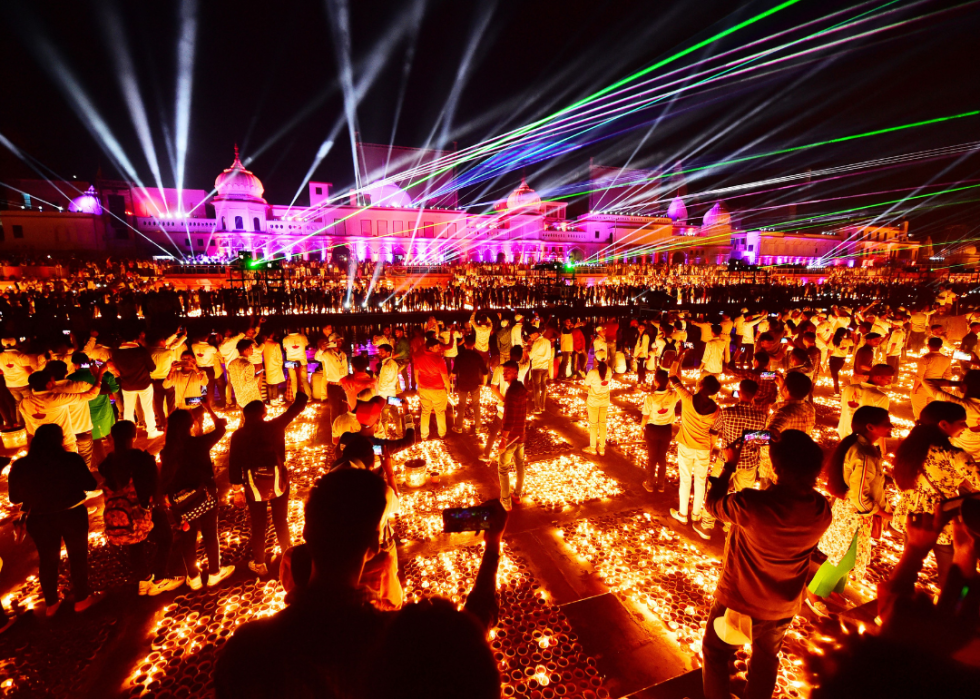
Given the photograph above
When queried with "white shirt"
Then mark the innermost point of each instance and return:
(855, 396)
(715, 355)
(295, 345)
(241, 372)
(388, 378)
(15, 364)
(229, 349)
(272, 355)
(205, 354)
(334, 364)
(540, 354)
(659, 406)
(598, 388)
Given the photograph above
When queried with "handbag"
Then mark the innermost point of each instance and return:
(191, 503)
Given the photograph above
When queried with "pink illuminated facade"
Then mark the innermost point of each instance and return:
(382, 223)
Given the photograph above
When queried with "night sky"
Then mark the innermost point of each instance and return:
(267, 75)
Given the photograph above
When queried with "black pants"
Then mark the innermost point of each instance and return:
(835, 364)
(163, 395)
(163, 537)
(216, 386)
(641, 370)
(767, 639)
(258, 516)
(336, 401)
(658, 442)
(207, 524)
(48, 531)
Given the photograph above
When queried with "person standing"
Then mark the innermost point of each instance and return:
(870, 393)
(731, 424)
(275, 378)
(257, 469)
(929, 469)
(335, 369)
(840, 347)
(187, 479)
(190, 386)
(51, 485)
(541, 355)
(295, 344)
(931, 365)
(498, 387)
(598, 382)
(641, 352)
(165, 353)
(432, 378)
(657, 423)
(388, 372)
(209, 361)
(403, 355)
(16, 367)
(241, 374)
(131, 482)
(694, 441)
(470, 370)
(134, 363)
(513, 432)
(856, 479)
(716, 353)
(101, 411)
(45, 405)
(766, 563)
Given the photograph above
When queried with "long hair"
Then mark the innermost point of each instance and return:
(48, 442)
(864, 417)
(172, 455)
(912, 452)
(839, 336)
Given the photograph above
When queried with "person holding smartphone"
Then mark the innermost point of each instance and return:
(190, 386)
(241, 373)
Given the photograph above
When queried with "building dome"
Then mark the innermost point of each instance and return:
(717, 216)
(677, 211)
(238, 183)
(387, 194)
(87, 203)
(523, 198)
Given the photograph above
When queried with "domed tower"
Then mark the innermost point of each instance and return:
(87, 203)
(524, 198)
(677, 211)
(238, 204)
(717, 217)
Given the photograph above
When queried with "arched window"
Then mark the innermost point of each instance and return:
(239, 224)
(255, 223)
(224, 226)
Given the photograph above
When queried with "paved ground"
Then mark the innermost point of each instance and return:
(603, 594)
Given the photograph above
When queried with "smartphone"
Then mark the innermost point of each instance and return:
(395, 400)
(767, 374)
(962, 356)
(84, 366)
(377, 450)
(756, 436)
(689, 345)
(193, 402)
(784, 340)
(290, 365)
(23, 339)
(66, 332)
(735, 394)
(466, 519)
(259, 371)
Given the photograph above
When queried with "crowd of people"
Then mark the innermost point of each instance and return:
(750, 463)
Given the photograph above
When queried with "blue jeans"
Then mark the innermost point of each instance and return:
(767, 639)
(513, 452)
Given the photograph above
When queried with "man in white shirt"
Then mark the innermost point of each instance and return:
(872, 392)
(517, 332)
(541, 354)
(388, 385)
(716, 353)
(295, 344)
(164, 352)
(241, 373)
(44, 406)
(17, 368)
(498, 387)
(189, 383)
(335, 368)
(931, 365)
(228, 351)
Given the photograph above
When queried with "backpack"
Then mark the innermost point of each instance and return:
(125, 520)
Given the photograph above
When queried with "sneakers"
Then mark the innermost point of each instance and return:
(516, 498)
(223, 572)
(702, 531)
(84, 604)
(194, 583)
(506, 504)
(648, 486)
(602, 451)
(258, 568)
(590, 450)
(144, 587)
(52, 609)
(166, 585)
(678, 516)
